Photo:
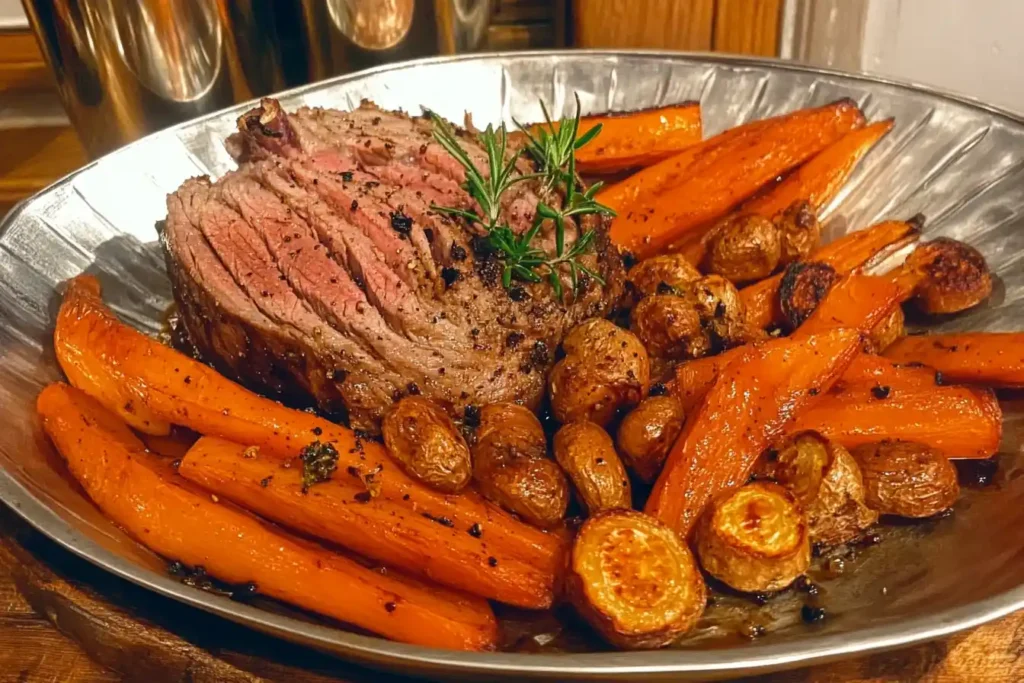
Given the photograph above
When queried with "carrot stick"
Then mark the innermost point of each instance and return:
(857, 302)
(990, 358)
(710, 190)
(876, 400)
(116, 360)
(391, 534)
(112, 465)
(820, 179)
(638, 138)
(641, 187)
(844, 254)
(750, 404)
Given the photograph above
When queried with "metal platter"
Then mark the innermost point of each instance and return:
(959, 162)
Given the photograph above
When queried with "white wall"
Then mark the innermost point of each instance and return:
(975, 47)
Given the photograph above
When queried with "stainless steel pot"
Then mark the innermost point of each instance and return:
(127, 68)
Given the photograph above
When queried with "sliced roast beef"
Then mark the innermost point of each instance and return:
(322, 269)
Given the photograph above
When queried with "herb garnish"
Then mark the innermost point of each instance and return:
(553, 147)
(319, 460)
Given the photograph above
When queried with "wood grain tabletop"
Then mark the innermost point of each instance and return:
(63, 620)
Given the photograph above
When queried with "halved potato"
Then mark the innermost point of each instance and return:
(799, 231)
(754, 538)
(955, 276)
(647, 433)
(634, 580)
(906, 479)
(826, 481)
(803, 286)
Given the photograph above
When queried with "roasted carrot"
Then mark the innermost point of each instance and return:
(819, 180)
(391, 534)
(638, 138)
(750, 404)
(994, 359)
(97, 349)
(112, 466)
(174, 446)
(710, 190)
(857, 302)
(844, 254)
(832, 120)
(876, 400)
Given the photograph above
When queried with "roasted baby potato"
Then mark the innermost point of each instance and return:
(799, 232)
(721, 310)
(670, 327)
(511, 466)
(605, 368)
(647, 434)
(743, 248)
(658, 273)
(906, 479)
(754, 538)
(827, 483)
(803, 286)
(587, 454)
(955, 276)
(886, 332)
(426, 443)
(634, 580)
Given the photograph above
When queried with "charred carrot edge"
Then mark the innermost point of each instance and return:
(652, 181)
(876, 400)
(819, 180)
(639, 138)
(710, 190)
(749, 405)
(844, 254)
(994, 359)
(111, 464)
(91, 343)
(391, 534)
(858, 302)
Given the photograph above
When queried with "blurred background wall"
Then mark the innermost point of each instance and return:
(86, 67)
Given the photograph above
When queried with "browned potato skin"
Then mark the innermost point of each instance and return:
(721, 310)
(652, 275)
(956, 276)
(670, 327)
(827, 482)
(634, 580)
(754, 538)
(906, 479)
(799, 232)
(886, 332)
(647, 434)
(511, 467)
(803, 286)
(743, 249)
(605, 368)
(426, 443)
(587, 454)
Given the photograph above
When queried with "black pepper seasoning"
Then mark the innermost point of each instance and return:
(880, 392)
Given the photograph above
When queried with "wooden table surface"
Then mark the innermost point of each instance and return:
(63, 620)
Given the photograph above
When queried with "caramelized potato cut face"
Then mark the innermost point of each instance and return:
(587, 454)
(906, 479)
(799, 232)
(803, 287)
(647, 434)
(955, 276)
(887, 332)
(670, 327)
(605, 368)
(426, 443)
(754, 538)
(743, 248)
(827, 483)
(511, 467)
(634, 580)
(653, 275)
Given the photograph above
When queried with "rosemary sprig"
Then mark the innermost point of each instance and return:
(554, 150)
